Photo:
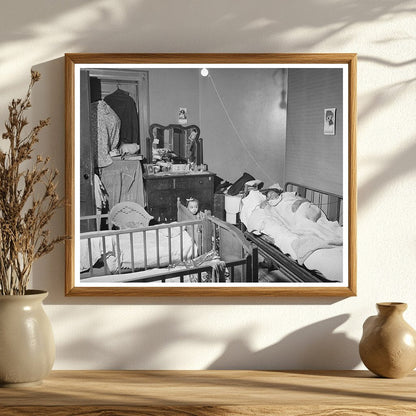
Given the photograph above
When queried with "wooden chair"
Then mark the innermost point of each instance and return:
(128, 215)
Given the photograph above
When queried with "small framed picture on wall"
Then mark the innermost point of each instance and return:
(329, 121)
(182, 115)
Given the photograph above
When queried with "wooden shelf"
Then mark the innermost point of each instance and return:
(253, 393)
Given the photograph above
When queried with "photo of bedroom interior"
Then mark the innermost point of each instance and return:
(211, 175)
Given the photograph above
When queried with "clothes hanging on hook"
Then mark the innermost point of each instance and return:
(105, 128)
(125, 107)
(95, 89)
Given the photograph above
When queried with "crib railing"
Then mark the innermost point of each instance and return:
(207, 234)
(229, 242)
(232, 270)
(143, 233)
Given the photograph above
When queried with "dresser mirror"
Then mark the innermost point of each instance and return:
(183, 141)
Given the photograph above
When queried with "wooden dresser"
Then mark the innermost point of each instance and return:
(162, 191)
(210, 393)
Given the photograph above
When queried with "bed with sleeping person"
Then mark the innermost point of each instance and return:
(298, 232)
(191, 250)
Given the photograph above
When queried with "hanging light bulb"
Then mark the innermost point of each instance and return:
(204, 72)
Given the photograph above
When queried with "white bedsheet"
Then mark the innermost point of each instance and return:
(121, 245)
(315, 243)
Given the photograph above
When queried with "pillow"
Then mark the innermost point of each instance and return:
(249, 204)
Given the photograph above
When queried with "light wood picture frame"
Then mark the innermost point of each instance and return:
(259, 118)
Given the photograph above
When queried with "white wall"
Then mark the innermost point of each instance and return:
(198, 333)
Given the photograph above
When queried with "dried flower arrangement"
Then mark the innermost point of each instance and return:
(28, 199)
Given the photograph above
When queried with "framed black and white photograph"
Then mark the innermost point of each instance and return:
(218, 177)
(149, 169)
(329, 121)
(182, 115)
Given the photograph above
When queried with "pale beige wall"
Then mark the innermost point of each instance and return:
(197, 333)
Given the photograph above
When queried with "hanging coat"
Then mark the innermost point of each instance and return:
(125, 107)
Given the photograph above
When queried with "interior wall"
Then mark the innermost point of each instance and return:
(243, 123)
(310, 92)
(208, 333)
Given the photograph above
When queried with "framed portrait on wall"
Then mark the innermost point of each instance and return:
(182, 115)
(238, 194)
(329, 121)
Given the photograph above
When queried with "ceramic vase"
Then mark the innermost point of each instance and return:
(27, 347)
(388, 345)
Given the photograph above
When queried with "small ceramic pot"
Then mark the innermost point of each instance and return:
(388, 345)
(27, 347)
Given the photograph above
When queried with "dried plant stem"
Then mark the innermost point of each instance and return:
(23, 217)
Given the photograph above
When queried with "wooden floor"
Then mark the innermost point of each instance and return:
(203, 393)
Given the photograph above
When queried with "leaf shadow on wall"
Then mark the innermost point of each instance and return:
(396, 167)
(316, 346)
(106, 26)
(402, 163)
(147, 343)
(137, 18)
(154, 343)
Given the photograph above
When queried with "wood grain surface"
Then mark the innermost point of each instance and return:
(203, 393)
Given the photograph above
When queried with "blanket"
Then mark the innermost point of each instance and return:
(210, 259)
(296, 226)
(305, 246)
